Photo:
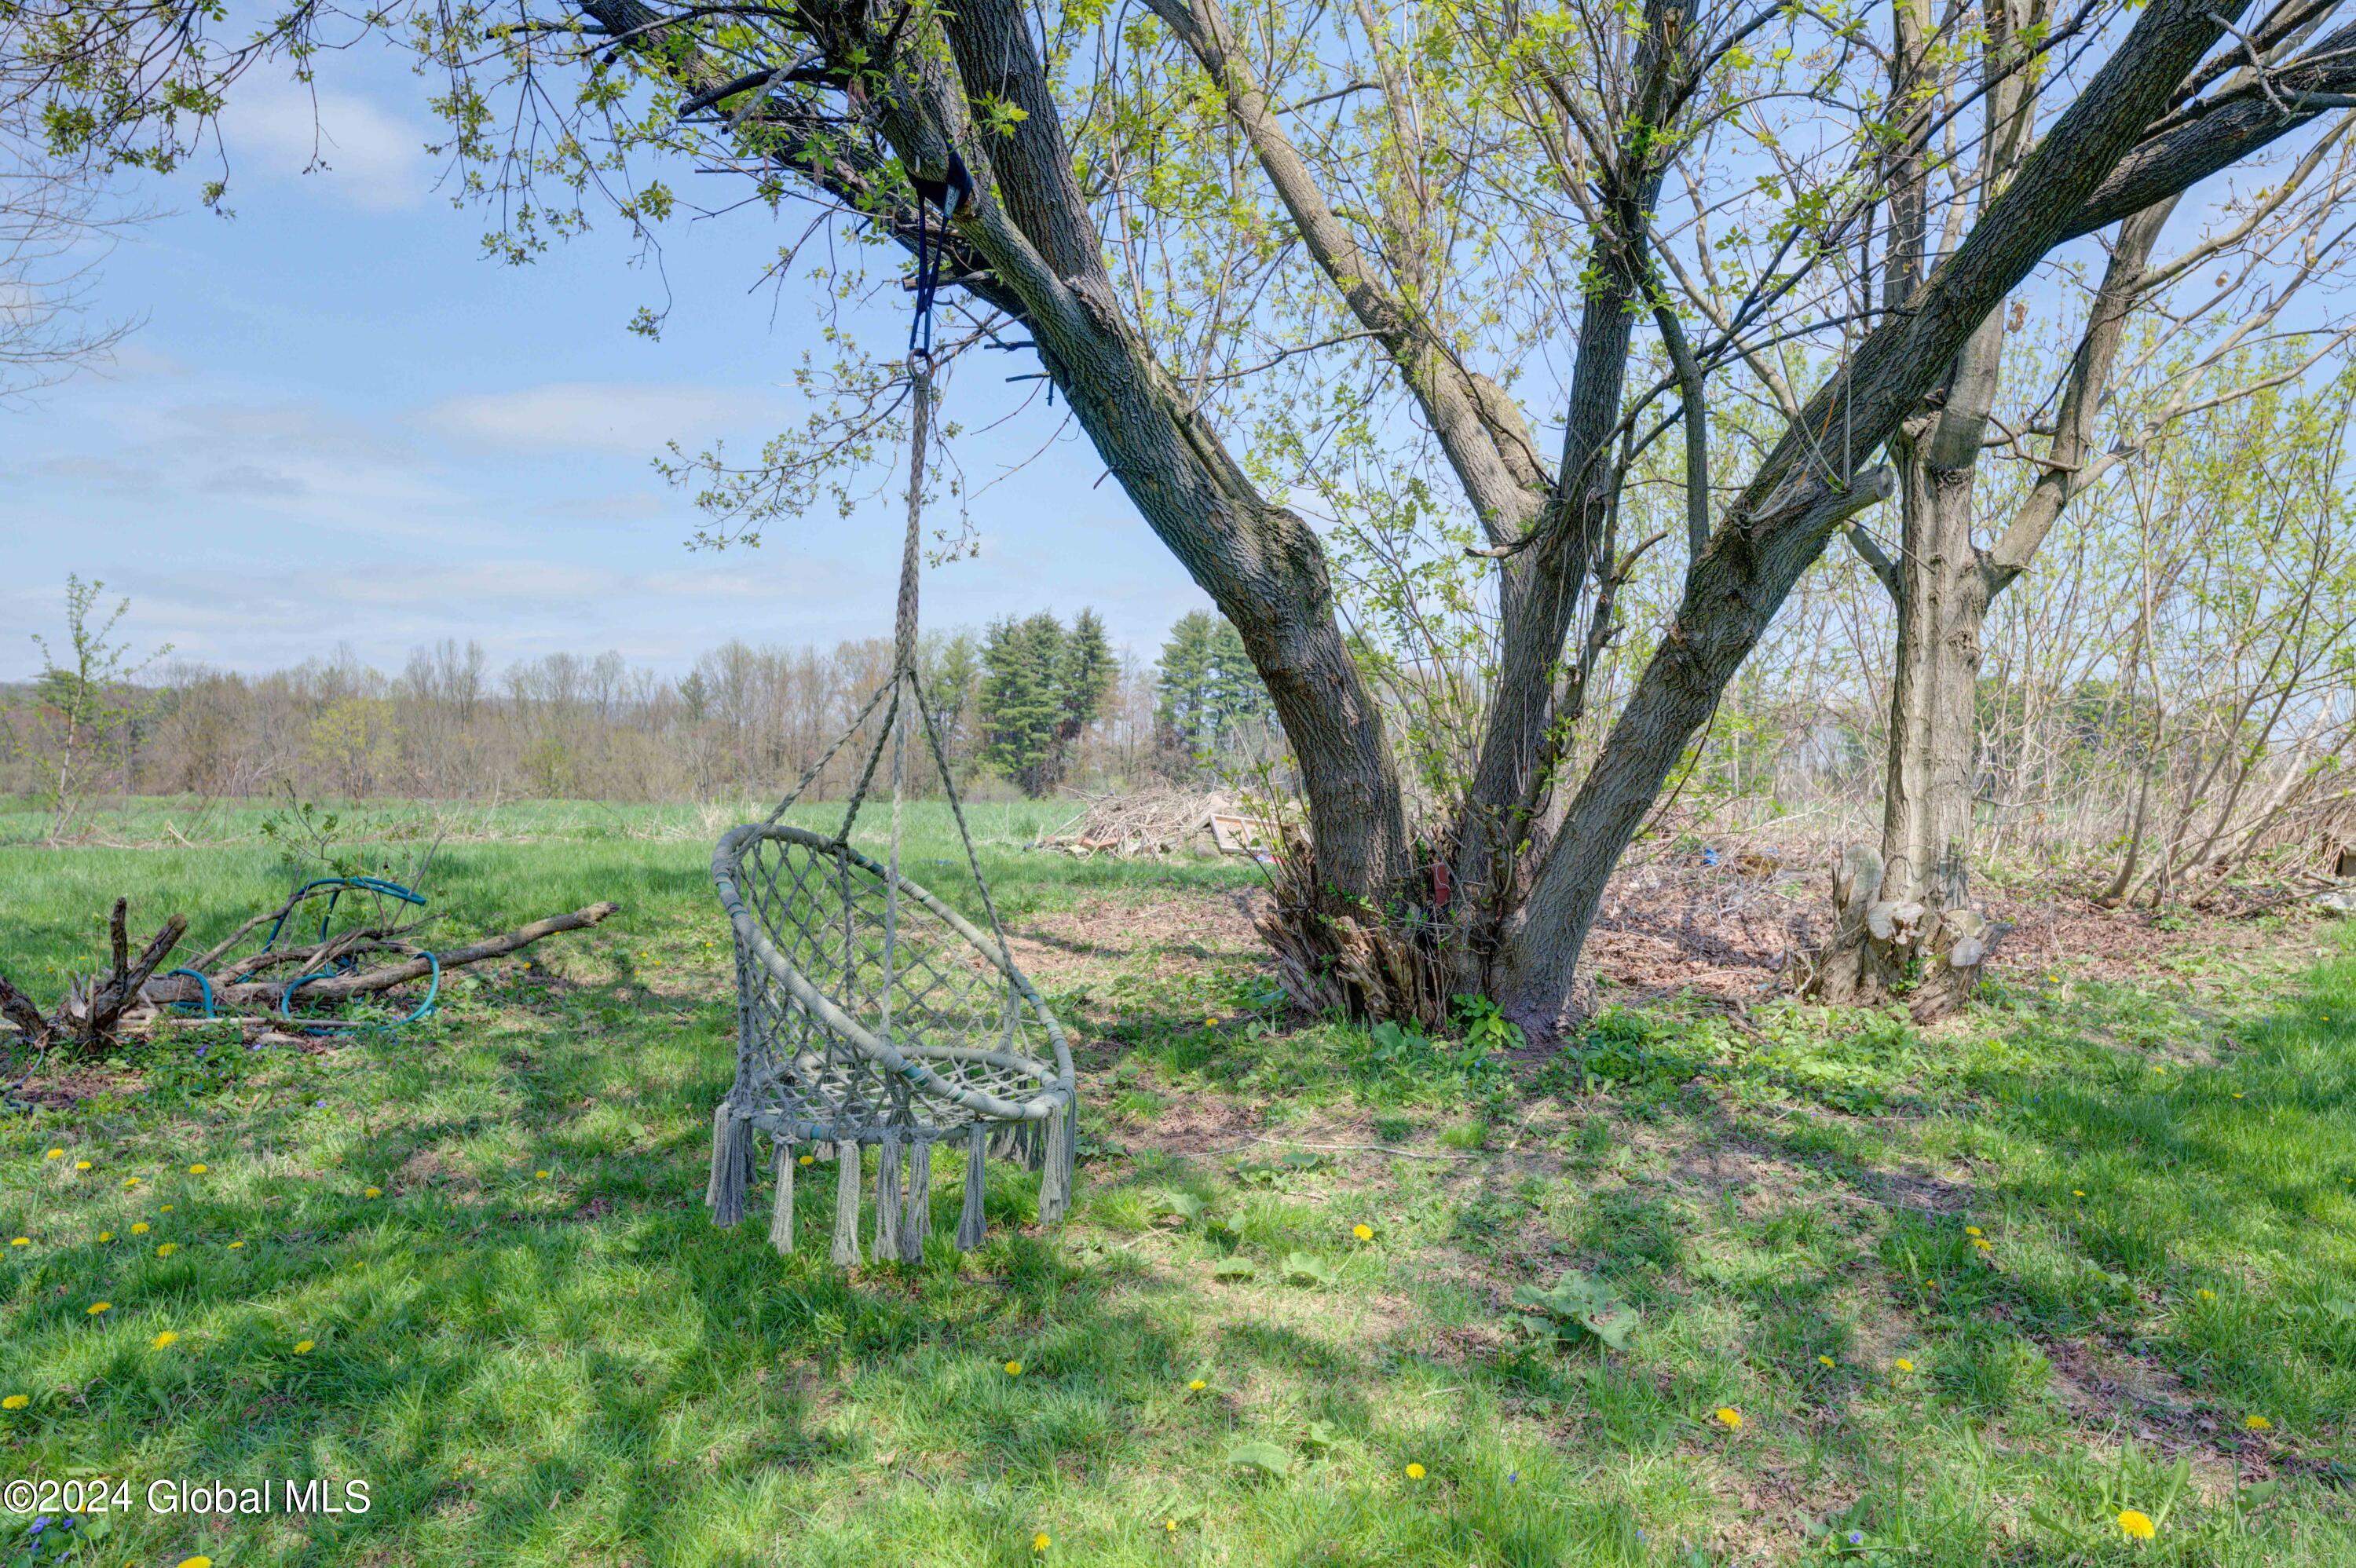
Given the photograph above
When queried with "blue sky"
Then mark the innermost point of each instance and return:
(338, 423)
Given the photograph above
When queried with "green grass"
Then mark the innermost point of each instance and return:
(578, 1368)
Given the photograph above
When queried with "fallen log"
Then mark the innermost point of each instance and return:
(131, 997)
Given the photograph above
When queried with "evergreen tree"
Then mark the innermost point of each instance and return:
(1208, 688)
(1084, 675)
(1022, 709)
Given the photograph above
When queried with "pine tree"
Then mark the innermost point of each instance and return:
(1208, 688)
(1022, 709)
(1084, 675)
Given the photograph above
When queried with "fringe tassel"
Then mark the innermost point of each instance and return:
(781, 1214)
(732, 1167)
(888, 1197)
(846, 1204)
(719, 1142)
(1055, 1177)
(970, 1223)
(917, 1222)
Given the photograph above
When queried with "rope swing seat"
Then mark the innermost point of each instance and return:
(869, 1012)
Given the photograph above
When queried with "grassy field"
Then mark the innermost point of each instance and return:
(1901, 1300)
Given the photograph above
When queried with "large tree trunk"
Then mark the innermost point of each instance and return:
(1913, 912)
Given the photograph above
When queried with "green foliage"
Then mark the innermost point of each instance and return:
(1206, 690)
(88, 707)
(1041, 686)
(1576, 1308)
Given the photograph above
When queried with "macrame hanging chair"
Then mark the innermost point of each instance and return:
(869, 1012)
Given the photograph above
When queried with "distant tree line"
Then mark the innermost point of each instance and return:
(1030, 705)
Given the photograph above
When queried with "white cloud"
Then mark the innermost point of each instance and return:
(633, 418)
(361, 153)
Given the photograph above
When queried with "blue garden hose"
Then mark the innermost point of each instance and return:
(433, 990)
(365, 884)
(203, 985)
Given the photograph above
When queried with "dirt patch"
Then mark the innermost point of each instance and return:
(1176, 933)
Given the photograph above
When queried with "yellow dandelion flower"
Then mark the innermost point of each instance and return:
(234, 1245)
(95, 1307)
(106, 1235)
(1902, 1364)
(167, 1249)
(54, 1154)
(1211, 1022)
(1983, 1243)
(2257, 1424)
(1040, 1542)
(1197, 1386)
(2077, 1192)
(21, 1241)
(15, 1402)
(1726, 1416)
(166, 1209)
(372, 1193)
(198, 1168)
(539, 1175)
(196, 1562)
(130, 1182)
(1826, 1362)
(2207, 1293)
(1364, 1233)
(81, 1165)
(140, 1228)
(1414, 1472)
(164, 1340)
(1014, 1369)
(304, 1346)
(2237, 1094)
(2137, 1525)
(1171, 1525)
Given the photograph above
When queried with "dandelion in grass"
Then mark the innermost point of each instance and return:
(105, 1236)
(1014, 1369)
(81, 1165)
(2237, 1094)
(1726, 1416)
(2257, 1424)
(234, 1245)
(21, 1241)
(140, 1228)
(304, 1346)
(372, 1193)
(1364, 1233)
(15, 1402)
(1041, 1541)
(806, 1159)
(1902, 1364)
(99, 1308)
(164, 1340)
(1171, 1525)
(167, 1249)
(2137, 1525)
(2207, 1293)
(539, 1175)
(1974, 1231)
(1211, 1022)
(1983, 1243)
(1415, 1472)
(166, 1209)
(130, 1182)
(53, 1154)
(2077, 1192)
(196, 1562)
(1198, 1385)
(1826, 1362)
